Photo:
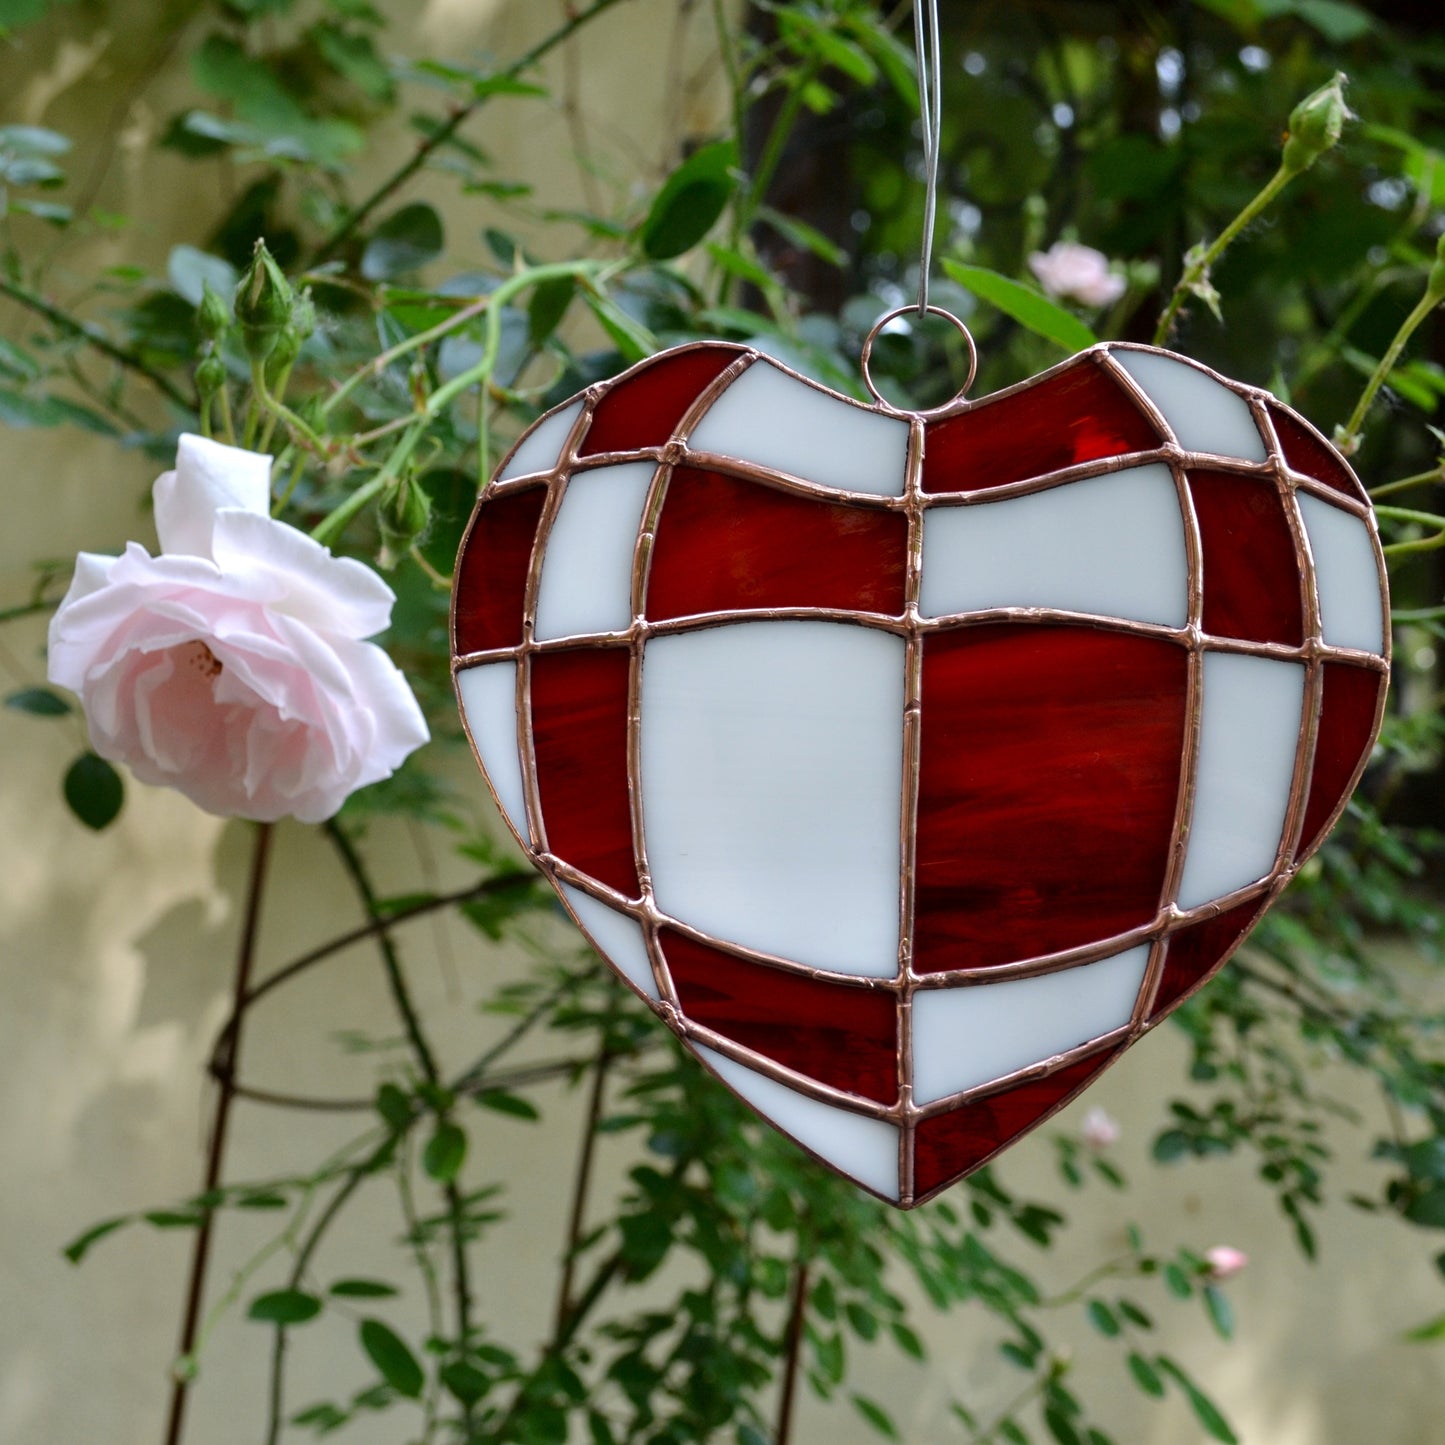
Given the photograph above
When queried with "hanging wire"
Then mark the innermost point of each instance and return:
(930, 112)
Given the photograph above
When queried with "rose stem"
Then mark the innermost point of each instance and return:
(794, 1347)
(184, 1369)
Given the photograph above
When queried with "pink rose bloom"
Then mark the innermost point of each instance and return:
(1070, 271)
(1224, 1261)
(1099, 1130)
(232, 665)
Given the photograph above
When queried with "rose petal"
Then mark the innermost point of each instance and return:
(301, 578)
(208, 477)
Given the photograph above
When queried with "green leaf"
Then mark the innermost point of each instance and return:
(1103, 1318)
(445, 1152)
(79, 1247)
(1205, 1410)
(322, 1418)
(38, 702)
(353, 56)
(1428, 1209)
(1172, 1144)
(1336, 20)
(392, 1357)
(34, 140)
(1421, 1334)
(690, 201)
(394, 1107)
(270, 115)
(804, 236)
(1177, 1282)
(505, 1103)
(174, 1218)
(406, 241)
(863, 1322)
(1221, 1313)
(549, 304)
(907, 1340)
(1061, 1427)
(876, 1416)
(20, 410)
(1146, 1376)
(830, 1356)
(94, 791)
(284, 1307)
(363, 1289)
(630, 337)
(52, 211)
(1031, 309)
(189, 269)
(465, 1381)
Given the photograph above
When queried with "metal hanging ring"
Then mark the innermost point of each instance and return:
(912, 310)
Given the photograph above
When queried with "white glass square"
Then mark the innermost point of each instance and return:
(773, 419)
(586, 582)
(772, 777)
(1111, 546)
(1248, 738)
(972, 1035)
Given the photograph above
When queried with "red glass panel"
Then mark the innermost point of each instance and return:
(1049, 775)
(724, 544)
(1195, 952)
(1307, 453)
(1079, 415)
(1347, 723)
(579, 731)
(1251, 569)
(844, 1036)
(644, 410)
(491, 581)
(948, 1146)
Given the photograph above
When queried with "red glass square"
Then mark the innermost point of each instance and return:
(725, 544)
(1043, 747)
(948, 1146)
(643, 409)
(579, 733)
(1194, 953)
(1251, 567)
(1347, 724)
(1307, 453)
(1079, 415)
(843, 1035)
(490, 588)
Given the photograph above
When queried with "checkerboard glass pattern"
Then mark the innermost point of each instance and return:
(911, 768)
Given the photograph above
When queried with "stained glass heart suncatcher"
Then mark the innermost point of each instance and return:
(909, 767)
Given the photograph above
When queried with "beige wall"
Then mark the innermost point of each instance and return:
(115, 954)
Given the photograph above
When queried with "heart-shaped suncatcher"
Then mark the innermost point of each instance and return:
(912, 767)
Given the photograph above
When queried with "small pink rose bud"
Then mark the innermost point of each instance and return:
(1078, 273)
(1225, 1261)
(1100, 1130)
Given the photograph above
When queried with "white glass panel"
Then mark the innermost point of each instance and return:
(1351, 611)
(964, 1037)
(864, 1149)
(1112, 545)
(1203, 415)
(543, 445)
(771, 787)
(618, 935)
(586, 583)
(489, 704)
(775, 420)
(1247, 743)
